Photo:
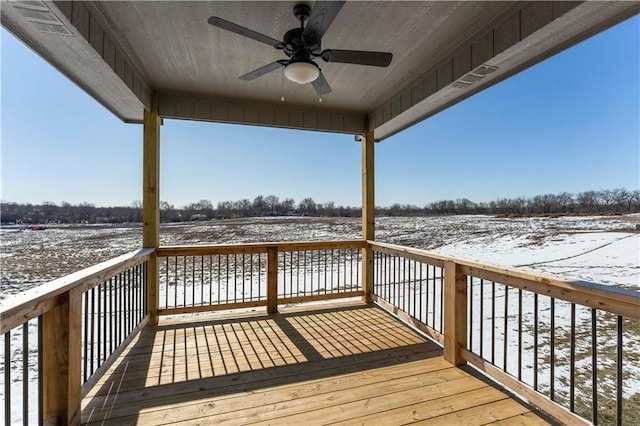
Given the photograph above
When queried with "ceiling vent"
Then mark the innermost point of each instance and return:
(471, 77)
(39, 14)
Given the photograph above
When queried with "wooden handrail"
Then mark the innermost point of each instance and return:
(247, 248)
(32, 303)
(607, 298)
(457, 278)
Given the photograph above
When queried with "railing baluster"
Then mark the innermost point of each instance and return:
(311, 274)
(211, 277)
(433, 311)
(535, 341)
(619, 325)
(419, 286)
(166, 285)
(40, 372)
(481, 317)
(98, 322)
(243, 276)
(227, 280)
(85, 343)
(520, 334)
(251, 275)
(25, 373)
(594, 369)
(175, 283)
(219, 269)
(94, 322)
(552, 338)
(193, 281)
(493, 322)
(113, 314)
(184, 281)
(202, 279)
(298, 273)
(103, 337)
(572, 360)
(304, 276)
(469, 285)
(325, 271)
(506, 328)
(441, 300)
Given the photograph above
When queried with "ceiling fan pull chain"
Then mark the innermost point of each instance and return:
(282, 86)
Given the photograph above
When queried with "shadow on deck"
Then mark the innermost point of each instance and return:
(341, 364)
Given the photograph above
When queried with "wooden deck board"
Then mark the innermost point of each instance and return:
(349, 364)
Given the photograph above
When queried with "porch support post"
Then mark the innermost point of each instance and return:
(272, 280)
(151, 203)
(455, 313)
(368, 214)
(62, 360)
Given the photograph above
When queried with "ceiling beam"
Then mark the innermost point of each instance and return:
(271, 115)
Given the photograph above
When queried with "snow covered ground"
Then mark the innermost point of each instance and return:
(603, 250)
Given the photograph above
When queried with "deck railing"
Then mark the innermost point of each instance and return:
(213, 277)
(567, 347)
(59, 337)
(560, 344)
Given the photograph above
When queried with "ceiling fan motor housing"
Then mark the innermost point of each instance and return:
(301, 45)
(301, 12)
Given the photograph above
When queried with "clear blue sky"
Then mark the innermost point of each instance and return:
(571, 123)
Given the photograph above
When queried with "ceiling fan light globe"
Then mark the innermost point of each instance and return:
(302, 72)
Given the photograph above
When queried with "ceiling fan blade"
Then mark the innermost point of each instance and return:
(235, 28)
(261, 71)
(321, 85)
(376, 59)
(322, 15)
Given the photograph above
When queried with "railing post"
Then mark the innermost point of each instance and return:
(368, 214)
(272, 280)
(61, 363)
(151, 203)
(455, 313)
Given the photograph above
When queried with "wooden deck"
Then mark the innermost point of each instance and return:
(343, 364)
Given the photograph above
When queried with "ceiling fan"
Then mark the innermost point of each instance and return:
(302, 46)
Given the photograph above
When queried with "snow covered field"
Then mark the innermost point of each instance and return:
(603, 250)
(598, 249)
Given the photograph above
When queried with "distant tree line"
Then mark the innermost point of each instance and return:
(615, 201)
